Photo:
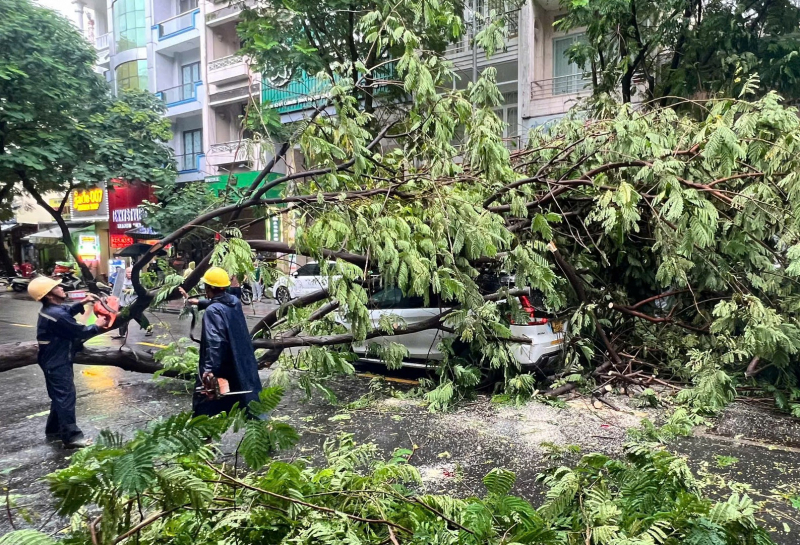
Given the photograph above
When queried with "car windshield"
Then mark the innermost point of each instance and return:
(394, 298)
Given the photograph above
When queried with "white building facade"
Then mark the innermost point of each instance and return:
(185, 51)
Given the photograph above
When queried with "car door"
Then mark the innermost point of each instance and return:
(421, 345)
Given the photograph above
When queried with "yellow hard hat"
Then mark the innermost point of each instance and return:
(41, 286)
(217, 277)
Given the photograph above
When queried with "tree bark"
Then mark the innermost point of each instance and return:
(23, 354)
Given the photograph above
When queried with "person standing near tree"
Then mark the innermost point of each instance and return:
(60, 336)
(227, 361)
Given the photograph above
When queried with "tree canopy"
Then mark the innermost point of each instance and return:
(60, 125)
(686, 48)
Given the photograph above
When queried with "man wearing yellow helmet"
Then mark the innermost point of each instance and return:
(226, 350)
(60, 336)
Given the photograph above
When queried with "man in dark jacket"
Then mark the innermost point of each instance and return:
(226, 350)
(60, 337)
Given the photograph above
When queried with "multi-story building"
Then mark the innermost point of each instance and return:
(185, 50)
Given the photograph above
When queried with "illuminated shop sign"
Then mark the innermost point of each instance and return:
(88, 200)
(90, 203)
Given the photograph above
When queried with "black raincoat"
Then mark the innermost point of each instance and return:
(226, 350)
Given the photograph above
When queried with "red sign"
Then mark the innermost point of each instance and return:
(120, 241)
(124, 199)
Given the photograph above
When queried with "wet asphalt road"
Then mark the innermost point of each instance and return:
(454, 451)
(107, 398)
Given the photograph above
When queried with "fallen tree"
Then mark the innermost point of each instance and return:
(667, 237)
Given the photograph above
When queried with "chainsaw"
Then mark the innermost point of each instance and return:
(215, 388)
(108, 306)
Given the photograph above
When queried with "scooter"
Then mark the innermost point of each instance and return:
(20, 283)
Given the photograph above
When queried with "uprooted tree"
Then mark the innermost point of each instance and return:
(667, 237)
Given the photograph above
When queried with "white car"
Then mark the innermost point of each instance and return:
(546, 333)
(305, 280)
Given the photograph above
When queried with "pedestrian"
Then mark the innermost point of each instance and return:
(60, 337)
(226, 350)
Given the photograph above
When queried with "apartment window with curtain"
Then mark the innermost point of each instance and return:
(130, 25)
(190, 74)
(192, 149)
(131, 75)
(568, 78)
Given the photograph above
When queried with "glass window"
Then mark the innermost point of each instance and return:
(129, 24)
(190, 74)
(192, 148)
(567, 76)
(131, 75)
(312, 269)
(186, 5)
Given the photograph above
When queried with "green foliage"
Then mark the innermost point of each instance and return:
(181, 356)
(166, 485)
(60, 125)
(730, 48)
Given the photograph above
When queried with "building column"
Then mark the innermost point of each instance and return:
(79, 5)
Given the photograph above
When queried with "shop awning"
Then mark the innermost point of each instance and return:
(53, 234)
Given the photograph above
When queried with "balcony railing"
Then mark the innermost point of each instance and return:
(102, 42)
(562, 85)
(188, 162)
(178, 24)
(465, 43)
(224, 62)
(236, 151)
(180, 94)
(305, 91)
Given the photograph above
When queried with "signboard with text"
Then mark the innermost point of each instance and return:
(90, 203)
(124, 199)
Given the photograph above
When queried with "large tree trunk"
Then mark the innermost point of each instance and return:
(22, 354)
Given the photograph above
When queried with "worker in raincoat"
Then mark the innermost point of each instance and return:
(60, 336)
(226, 350)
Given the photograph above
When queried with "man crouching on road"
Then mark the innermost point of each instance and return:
(60, 337)
(226, 350)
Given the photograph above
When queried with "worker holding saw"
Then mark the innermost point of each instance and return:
(228, 371)
(60, 336)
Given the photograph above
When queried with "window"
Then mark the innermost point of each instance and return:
(130, 26)
(186, 5)
(190, 74)
(311, 269)
(567, 76)
(192, 148)
(131, 75)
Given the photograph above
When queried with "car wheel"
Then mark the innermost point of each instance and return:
(282, 295)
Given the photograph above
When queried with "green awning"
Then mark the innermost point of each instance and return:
(243, 180)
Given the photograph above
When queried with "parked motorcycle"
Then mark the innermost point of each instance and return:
(20, 283)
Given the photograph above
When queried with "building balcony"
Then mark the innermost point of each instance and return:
(183, 100)
(461, 51)
(219, 12)
(191, 167)
(237, 94)
(178, 33)
(104, 45)
(227, 153)
(227, 69)
(296, 95)
(555, 96)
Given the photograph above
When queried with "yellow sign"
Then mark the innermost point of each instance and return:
(87, 200)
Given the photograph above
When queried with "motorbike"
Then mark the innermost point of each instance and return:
(20, 283)
(247, 293)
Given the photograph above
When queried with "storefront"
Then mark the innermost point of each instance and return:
(272, 229)
(124, 199)
(90, 206)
